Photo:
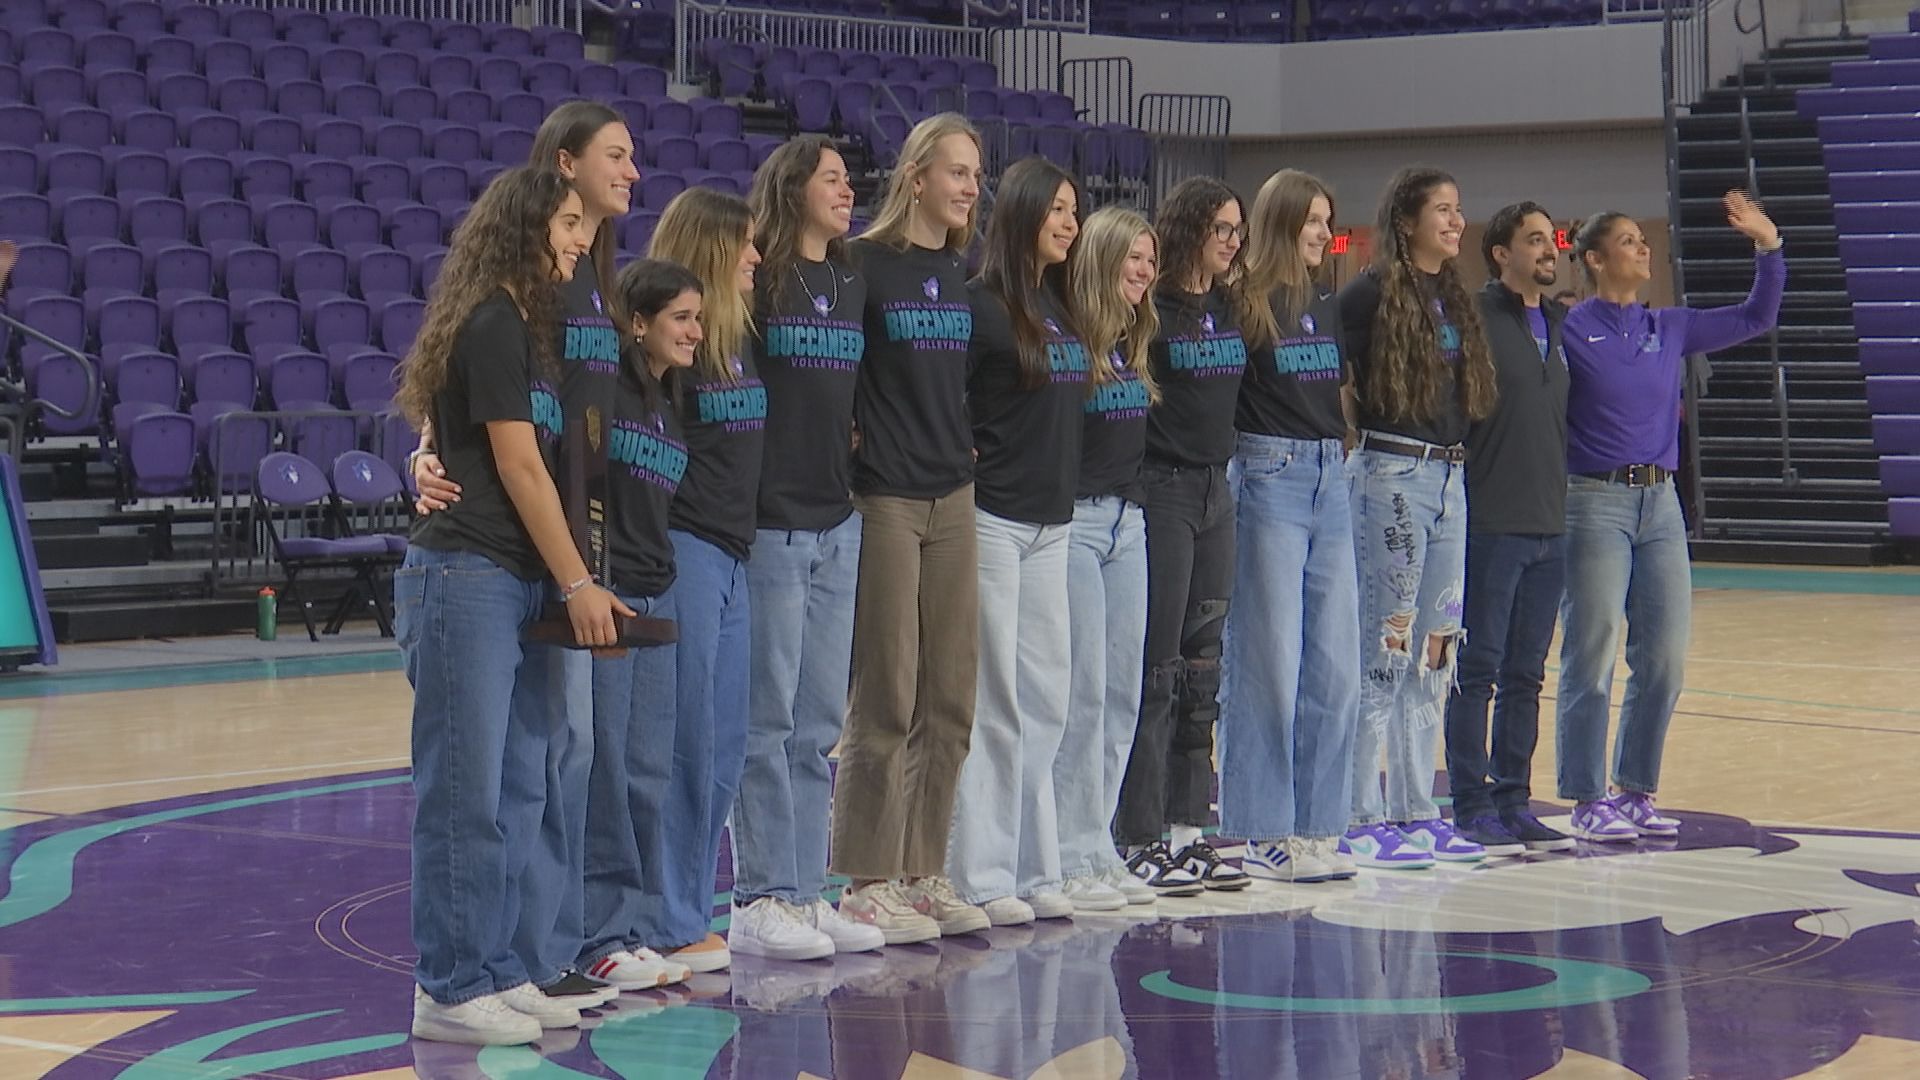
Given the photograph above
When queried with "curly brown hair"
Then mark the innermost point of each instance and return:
(1185, 224)
(1406, 375)
(503, 243)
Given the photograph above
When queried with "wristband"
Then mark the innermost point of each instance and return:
(567, 594)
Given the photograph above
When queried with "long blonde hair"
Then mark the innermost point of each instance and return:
(1275, 270)
(1100, 310)
(705, 230)
(896, 210)
(503, 243)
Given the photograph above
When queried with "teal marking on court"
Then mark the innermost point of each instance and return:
(672, 1044)
(1575, 982)
(41, 879)
(190, 1057)
(56, 684)
(101, 1002)
(1793, 579)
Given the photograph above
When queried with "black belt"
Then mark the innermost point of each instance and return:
(1634, 475)
(1452, 455)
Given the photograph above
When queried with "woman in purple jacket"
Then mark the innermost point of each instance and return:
(1626, 542)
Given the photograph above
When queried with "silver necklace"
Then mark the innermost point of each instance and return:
(833, 279)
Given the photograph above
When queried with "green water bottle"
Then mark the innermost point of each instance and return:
(266, 615)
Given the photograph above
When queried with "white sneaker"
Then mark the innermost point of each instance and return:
(484, 1021)
(527, 999)
(1122, 881)
(887, 908)
(1094, 894)
(640, 969)
(847, 936)
(935, 898)
(1050, 904)
(777, 930)
(1335, 856)
(1008, 911)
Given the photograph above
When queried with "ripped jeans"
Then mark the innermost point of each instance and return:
(1410, 543)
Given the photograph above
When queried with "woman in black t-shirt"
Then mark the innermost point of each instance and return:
(1421, 373)
(806, 557)
(483, 370)
(1027, 394)
(723, 410)
(1291, 675)
(1110, 279)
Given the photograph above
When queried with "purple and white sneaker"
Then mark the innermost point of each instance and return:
(1602, 822)
(1382, 847)
(1438, 838)
(1637, 807)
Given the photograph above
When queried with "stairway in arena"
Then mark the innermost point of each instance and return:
(1788, 469)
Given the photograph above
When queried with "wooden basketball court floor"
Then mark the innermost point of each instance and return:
(205, 871)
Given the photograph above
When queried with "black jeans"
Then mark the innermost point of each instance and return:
(1514, 586)
(1169, 778)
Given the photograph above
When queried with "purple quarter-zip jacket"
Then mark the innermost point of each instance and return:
(1623, 406)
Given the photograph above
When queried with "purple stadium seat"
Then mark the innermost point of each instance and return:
(246, 271)
(64, 381)
(509, 41)
(147, 129)
(19, 169)
(356, 31)
(303, 98)
(49, 45)
(225, 376)
(146, 376)
(261, 176)
(61, 318)
(117, 90)
(559, 43)
(194, 20)
(270, 133)
(394, 139)
(42, 267)
(409, 34)
(717, 181)
(643, 81)
(510, 146)
(395, 68)
(339, 139)
(449, 71)
(499, 75)
(204, 174)
(199, 319)
(353, 100)
(413, 104)
(222, 58)
(470, 108)
(521, 110)
(56, 87)
(367, 380)
(247, 24)
(298, 376)
(215, 133)
(158, 449)
(83, 127)
(182, 268)
(21, 125)
(812, 103)
(380, 180)
(306, 27)
(268, 320)
(353, 225)
(140, 18)
(480, 174)
(168, 53)
(323, 180)
(599, 82)
(672, 153)
(233, 446)
(381, 273)
(427, 270)
(852, 103)
(26, 217)
(673, 117)
(339, 67)
(658, 189)
(337, 323)
(724, 154)
(285, 63)
(458, 37)
(435, 182)
(456, 143)
(411, 225)
(399, 322)
(138, 170)
(241, 96)
(289, 222)
(154, 222)
(128, 324)
(71, 167)
(109, 50)
(112, 268)
(1132, 153)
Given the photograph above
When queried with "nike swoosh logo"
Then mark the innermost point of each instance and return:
(1591, 340)
(847, 279)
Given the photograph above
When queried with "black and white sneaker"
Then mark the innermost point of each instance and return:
(1200, 860)
(1153, 865)
(580, 991)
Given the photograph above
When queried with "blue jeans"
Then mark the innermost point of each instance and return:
(633, 721)
(1410, 539)
(557, 684)
(1626, 552)
(1107, 613)
(1005, 838)
(803, 585)
(1290, 690)
(711, 665)
(1514, 583)
(479, 765)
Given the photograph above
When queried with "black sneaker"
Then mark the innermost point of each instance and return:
(1153, 865)
(1214, 872)
(1487, 831)
(1527, 829)
(580, 991)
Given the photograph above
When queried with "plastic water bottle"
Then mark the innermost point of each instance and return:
(266, 615)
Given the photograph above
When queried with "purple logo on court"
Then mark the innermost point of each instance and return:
(1206, 322)
(931, 287)
(822, 305)
(597, 306)
(1307, 323)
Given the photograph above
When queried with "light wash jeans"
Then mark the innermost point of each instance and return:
(1626, 553)
(552, 896)
(803, 586)
(1005, 839)
(1410, 539)
(1290, 692)
(711, 662)
(633, 719)
(1107, 612)
(481, 730)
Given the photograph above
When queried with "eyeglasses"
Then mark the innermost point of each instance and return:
(1224, 231)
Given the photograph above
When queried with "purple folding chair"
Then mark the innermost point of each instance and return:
(293, 501)
(367, 381)
(320, 438)
(298, 376)
(157, 451)
(374, 498)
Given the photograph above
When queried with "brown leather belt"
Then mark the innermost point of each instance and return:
(1452, 455)
(1634, 475)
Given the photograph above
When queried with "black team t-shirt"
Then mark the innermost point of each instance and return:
(491, 377)
(1115, 439)
(646, 461)
(589, 345)
(916, 441)
(1197, 359)
(1029, 439)
(1358, 303)
(812, 339)
(725, 421)
(1292, 388)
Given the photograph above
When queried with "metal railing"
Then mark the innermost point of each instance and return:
(1189, 137)
(569, 14)
(1101, 88)
(29, 403)
(1028, 59)
(698, 22)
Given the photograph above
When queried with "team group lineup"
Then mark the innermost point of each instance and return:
(1018, 544)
